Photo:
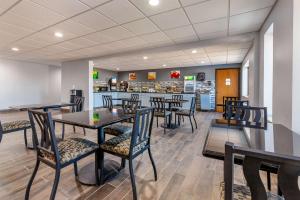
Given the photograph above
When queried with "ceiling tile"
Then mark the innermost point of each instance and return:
(134, 42)
(189, 2)
(155, 37)
(140, 27)
(117, 33)
(185, 39)
(36, 13)
(19, 21)
(215, 35)
(247, 22)
(171, 19)
(209, 10)
(181, 32)
(163, 6)
(14, 30)
(121, 11)
(73, 27)
(94, 20)
(66, 8)
(211, 26)
(94, 3)
(99, 38)
(82, 42)
(6, 4)
(243, 6)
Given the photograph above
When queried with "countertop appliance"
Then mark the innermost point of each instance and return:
(112, 83)
(189, 83)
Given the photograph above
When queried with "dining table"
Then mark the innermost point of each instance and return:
(45, 107)
(170, 103)
(96, 119)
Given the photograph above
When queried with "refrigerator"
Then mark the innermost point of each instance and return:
(189, 83)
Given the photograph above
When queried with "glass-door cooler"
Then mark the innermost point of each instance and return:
(189, 83)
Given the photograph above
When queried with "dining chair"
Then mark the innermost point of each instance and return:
(14, 126)
(78, 107)
(177, 105)
(188, 113)
(107, 101)
(159, 105)
(233, 103)
(135, 96)
(288, 173)
(54, 154)
(229, 98)
(247, 116)
(129, 146)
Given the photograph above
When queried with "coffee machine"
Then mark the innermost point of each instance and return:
(124, 86)
(112, 82)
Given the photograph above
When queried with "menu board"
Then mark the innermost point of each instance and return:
(175, 74)
(151, 76)
(132, 76)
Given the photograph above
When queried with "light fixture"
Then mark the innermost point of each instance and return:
(194, 51)
(164, 65)
(153, 2)
(145, 57)
(58, 34)
(202, 61)
(118, 68)
(15, 49)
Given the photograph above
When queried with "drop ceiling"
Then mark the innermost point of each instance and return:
(101, 28)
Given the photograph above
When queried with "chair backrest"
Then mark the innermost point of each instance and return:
(193, 105)
(107, 101)
(1, 132)
(141, 133)
(231, 104)
(177, 97)
(47, 146)
(246, 116)
(79, 102)
(288, 172)
(130, 106)
(158, 103)
(228, 98)
(135, 97)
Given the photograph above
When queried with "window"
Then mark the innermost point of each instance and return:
(245, 78)
(268, 71)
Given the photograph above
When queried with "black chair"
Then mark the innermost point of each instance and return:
(159, 105)
(135, 97)
(129, 146)
(14, 126)
(246, 116)
(288, 173)
(188, 113)
(78, 107)
(107, 101)
(57, 155)
(177, 105)
(229, 98)
(231, 104)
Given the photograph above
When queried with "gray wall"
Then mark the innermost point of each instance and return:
(164, 74)
(282, 17)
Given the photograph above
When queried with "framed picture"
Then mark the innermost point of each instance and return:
(175, 74)
(132, 76)
(151, 76)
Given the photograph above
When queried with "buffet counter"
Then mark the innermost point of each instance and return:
(144, 97)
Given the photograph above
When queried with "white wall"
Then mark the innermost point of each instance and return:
(27, 83)
(77, 75)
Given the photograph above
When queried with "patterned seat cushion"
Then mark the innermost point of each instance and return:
(183, 112)
(15, 125)
(71, 149)
(117, 129)
(241, 192)
(161, 114)
(121, 145)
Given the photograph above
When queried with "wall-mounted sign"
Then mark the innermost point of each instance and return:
(201, 76)
(189, 78)
(95, 75)
(227, 82)
(151, 76)
(132, 76)
(175, 74)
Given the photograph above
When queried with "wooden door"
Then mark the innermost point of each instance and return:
(227, 84)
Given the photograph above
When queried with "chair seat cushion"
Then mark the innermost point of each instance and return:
(241, 192)
(161, 114)
(121, 145)
(15, 125)
(117, 129)
(72, 148)
(183, 112)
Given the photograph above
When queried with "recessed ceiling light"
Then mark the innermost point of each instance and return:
(194, 51)
(15, 49)
(58, 34)
(202, 62)
(118, 68)
(154, 2)
(145, 57)
(164, 65)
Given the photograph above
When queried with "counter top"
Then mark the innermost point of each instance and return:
(148, 92)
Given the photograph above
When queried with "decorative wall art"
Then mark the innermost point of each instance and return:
(151, 76)
(132, 76)
(175, 74)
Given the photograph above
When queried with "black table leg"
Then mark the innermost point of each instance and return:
(170, 125)
(109, 170)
